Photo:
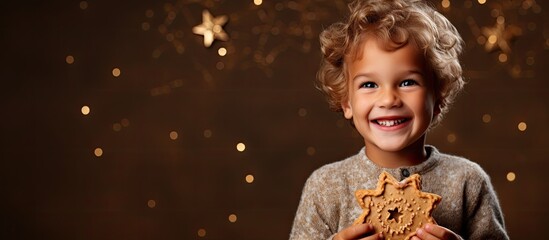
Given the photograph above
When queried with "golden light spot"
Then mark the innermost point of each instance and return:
(530, 61)
(173, 135)
(481, 40)
(511, 176)
(302, 112)
(172, 15)
(486, 118)
(222, 51)
(249, 178)
(116, 72)
(516, 70)
(83, 5)
(98, 152)
(149, 13)
(117, 127)
(240, 147)
(445, 3)
(269, 59)
(151, 203)
(220, 65)
(311, 151)
(522, 126)
(232, 218)
(125, 122)
(145, 26)
(170, 37)
(536, 9)
(258, 2)
(526, 4)
(207, 133)
(156, 53)
(502, 57)
(180, 49)
(69, 59)
(451, 138)
(495, 13)
(202, 232)
(492, 39)
(85, 110)
(500, 20)
(482, 1)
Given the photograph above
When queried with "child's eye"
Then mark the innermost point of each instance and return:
(408, 82)
(368, 85)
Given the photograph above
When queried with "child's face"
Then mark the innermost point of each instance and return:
(391, 97)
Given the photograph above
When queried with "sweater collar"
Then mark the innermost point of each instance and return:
(403, 172)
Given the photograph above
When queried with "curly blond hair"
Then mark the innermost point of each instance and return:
(396, 23)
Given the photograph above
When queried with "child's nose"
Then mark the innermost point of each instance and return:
(389, 98)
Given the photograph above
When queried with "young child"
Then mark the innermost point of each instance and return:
(392, 68)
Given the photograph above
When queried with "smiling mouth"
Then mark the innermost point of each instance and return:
(390, 123)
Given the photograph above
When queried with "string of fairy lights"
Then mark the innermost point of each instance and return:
(258, 46)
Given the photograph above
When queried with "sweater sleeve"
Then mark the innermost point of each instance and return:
(484, 218)
(312, 217)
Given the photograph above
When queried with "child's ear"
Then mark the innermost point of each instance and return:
(347, 110)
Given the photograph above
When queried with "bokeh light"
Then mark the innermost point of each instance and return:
(232, 218)
(117, 127)
(116, 72)
(174, 135)
(250, 178)
(208, 133)
(69, 59)
(151, 203)
(492, 39)
(522, 126)
(85, 110)
(511, 176)
(502, 57)
(486, 118)
(451, 138)
(222, 51)
(240, 147)
(125, 122)
(83, 5)
(445, 3)
(311, 151)
(98, 152)
(302, 112)
(201, 232)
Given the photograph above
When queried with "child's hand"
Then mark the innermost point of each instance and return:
(362, 231)
(434, 232)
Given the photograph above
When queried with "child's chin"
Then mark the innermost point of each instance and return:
(391, 147)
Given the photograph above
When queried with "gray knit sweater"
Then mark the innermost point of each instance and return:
(469, 205)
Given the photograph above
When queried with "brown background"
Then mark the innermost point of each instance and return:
(260, 94)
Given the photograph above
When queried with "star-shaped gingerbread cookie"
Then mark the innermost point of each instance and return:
(396, 208)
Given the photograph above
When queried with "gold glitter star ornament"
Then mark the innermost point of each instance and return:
(396, 208)
(211, 28)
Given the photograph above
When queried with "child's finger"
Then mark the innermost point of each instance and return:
(425, 235)
(438, 231)
(356, 231)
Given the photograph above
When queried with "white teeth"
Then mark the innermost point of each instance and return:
(390, 123)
